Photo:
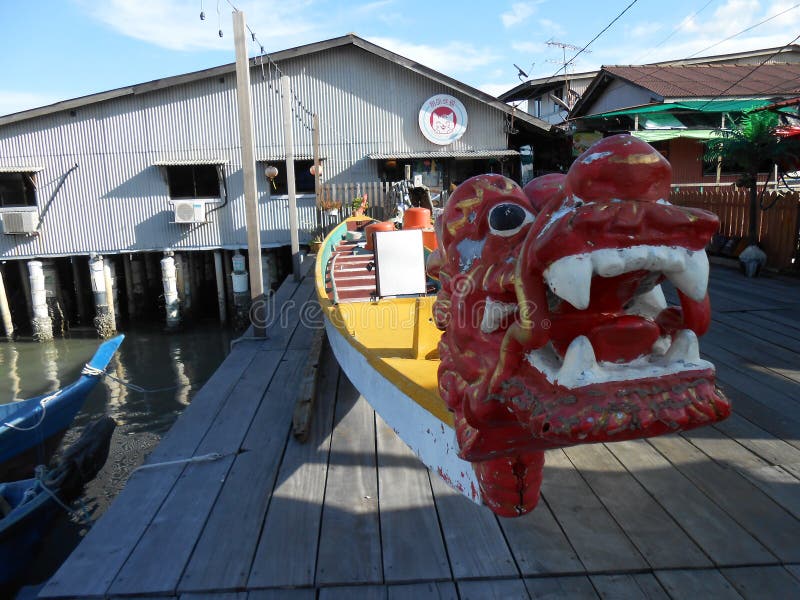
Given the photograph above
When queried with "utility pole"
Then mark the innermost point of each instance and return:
(288, 143)
(248, 162)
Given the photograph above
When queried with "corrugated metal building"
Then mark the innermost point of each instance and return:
(100, 173)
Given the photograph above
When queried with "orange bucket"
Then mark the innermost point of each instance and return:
(417, 218)
(373, 227)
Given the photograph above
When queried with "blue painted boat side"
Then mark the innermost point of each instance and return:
(27, 423)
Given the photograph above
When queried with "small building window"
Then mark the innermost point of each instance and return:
(303, 179)
(17, 189)
(193, 181)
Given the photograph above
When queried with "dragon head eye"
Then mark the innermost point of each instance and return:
(507, 219)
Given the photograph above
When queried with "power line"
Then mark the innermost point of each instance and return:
(675, 30)
(745, 30)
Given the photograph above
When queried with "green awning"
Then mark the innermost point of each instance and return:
(706, 106)
(658, 135)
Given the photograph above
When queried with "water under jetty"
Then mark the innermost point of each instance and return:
(352, 513)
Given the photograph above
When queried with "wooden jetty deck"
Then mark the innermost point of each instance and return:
(713, 513)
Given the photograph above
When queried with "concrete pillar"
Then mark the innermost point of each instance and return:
(26, 287)
(220, 277)
(127, 267)
(104, 321)
(5, 310)
(53, 297)
(41, 322)
(241, 294)
(169, 281)
(79, 299)
(111, 288)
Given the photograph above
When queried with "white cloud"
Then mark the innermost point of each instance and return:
(552, 27)
(452, 57)
(495, 89)
(519, 12)
(176, 24)
(12, 102)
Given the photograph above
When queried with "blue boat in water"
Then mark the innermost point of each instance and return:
(28, 507)
(32, 429)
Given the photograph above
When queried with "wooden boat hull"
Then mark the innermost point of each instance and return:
(387, 348)
(30, 430)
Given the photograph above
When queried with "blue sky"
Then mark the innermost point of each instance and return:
(53, 50)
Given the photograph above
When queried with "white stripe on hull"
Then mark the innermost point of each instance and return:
(431, 440)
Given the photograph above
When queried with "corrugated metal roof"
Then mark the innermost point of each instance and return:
(20, 169)
(181, 162)
(466, 154)
(693, 81)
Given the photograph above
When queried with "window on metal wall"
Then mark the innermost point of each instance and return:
(303, 179)
(193, 181)
(17, 189)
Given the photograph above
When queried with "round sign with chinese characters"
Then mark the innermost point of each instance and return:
(442, 119)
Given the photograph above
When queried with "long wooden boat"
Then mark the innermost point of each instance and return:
(32, 429)
(534, 320)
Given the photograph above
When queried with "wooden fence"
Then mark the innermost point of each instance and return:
(340, 196)
(777, 227)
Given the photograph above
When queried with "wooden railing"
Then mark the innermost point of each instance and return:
(777, 227)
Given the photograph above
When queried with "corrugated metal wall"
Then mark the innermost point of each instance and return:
(116, 200)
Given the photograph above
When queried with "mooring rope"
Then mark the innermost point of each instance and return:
(95, 372)
(211, 456)
(81, 516)
(43, 405)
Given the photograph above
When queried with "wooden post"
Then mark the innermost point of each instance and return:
(127, 267)
(248, 160)
(110, 277)
(288, 144)
(79, 299)
(5, 311)
(317, 165)
(103, 322)
(220, 277)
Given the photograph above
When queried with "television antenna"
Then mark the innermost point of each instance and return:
(565, 64)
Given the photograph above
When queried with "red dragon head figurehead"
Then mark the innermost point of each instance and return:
(556, 331)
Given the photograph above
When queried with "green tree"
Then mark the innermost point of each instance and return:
(753, 142)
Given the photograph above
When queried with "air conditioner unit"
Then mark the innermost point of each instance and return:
(189, 211)
(20, 222)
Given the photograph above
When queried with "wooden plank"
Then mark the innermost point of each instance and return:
(656, 535)
(156, 564)
(229, 538)
(643, 586)
(432, 590)
(774, 481)
(350, 526)
(702, 583)
(215, 596)
(493, 589)
(475, 543)
(362, 592)
(286, 594)
(754, 324)
(750, 507)
(411, 539)
(557, 588)
(724, 540)
(759, 441)
(283, 317)
(539, 545)
(92, 567)
(287, 548)
(592, 531)
(763, 582)
(304, 407)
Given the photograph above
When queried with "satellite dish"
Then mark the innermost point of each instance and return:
(522, 74)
